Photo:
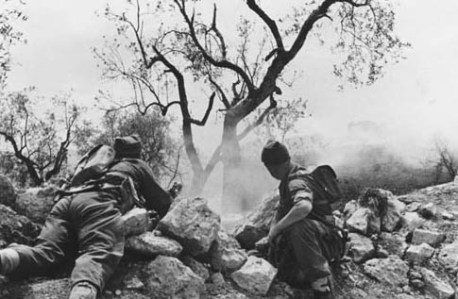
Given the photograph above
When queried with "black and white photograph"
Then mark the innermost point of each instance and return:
(228, 149)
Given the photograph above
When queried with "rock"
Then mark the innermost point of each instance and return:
(7, 193)
(448, 257)
(359, 222)
(417, 283)
(255, 276)
(134, 283)
(412, 220)
(228, 260)
(150, 245)
(35, 203)
(391, 271)
(382, 253)
(217, 279)
(413, 207)
(392, 243)
(432, 238)
(50, 289)
(226, 255)
(349, 209)
(392, 217)
(192, 223)
(258, 222)
(419, 253)
(167, 277)
(136, 222)
(196, 267)
(428, 210)
(360, 248)
(437, 287)
(447, 216)
(15, 228)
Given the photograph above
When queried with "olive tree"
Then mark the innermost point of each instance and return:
(175, 51)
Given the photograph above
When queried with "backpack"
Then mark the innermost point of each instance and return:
(93, 165)
(326, 186)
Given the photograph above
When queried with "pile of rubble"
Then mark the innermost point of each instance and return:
(400, 247)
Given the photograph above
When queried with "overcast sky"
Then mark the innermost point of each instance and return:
(416, 100)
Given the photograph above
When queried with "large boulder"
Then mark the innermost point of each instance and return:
(255, 276)
(419, 253)
(226, 255)
(191, 222)
(448, 257)
(35, 203)
(168, 277)
(16, 228)
(359, 221)
(412, 220)
(7, 193)
(258, 222)
(392, 243)
(150, 245)
(360, 248)
(433, 238)
(196, 266)
(393, 215)
(391, 271)
(136, 221)
(436, 286)
(349, 209)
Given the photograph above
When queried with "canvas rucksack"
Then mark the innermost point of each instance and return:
(326, 186)
(323, 183)
(93, 165)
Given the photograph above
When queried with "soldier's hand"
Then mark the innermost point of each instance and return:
(273, 235)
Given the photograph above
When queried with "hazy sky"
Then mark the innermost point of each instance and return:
(414, 101)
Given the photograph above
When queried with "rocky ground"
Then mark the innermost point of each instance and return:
(400, 247)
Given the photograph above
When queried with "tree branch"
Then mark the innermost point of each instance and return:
(207, 113)
(259, 120)
(269, 22)
(222, 63)
(221, 92)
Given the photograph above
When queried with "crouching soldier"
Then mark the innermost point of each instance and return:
(88, 217)
(302, 242)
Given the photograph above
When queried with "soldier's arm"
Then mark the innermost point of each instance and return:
(301, 208)
(156, 198)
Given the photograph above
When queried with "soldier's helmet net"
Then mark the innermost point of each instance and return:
(128, 147)
(274, 153)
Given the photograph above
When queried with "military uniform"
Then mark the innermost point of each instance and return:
(90, 222)
(305, 247)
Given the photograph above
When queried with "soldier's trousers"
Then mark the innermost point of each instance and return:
(88, 222)
(305, 250)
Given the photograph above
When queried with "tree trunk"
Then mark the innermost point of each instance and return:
(36, 180)
(234, 196)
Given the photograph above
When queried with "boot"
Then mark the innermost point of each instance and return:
(9, 260)
(83, 290)
(322, 288)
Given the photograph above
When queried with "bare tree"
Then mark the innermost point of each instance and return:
(10, 15)
(445, 159)
(35, 141)
(246, 75)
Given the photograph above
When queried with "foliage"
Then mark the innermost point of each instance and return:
(34, 137)
(10, 15)
(159, 148)
(445, 158)
(378, 167)
(161, 59)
